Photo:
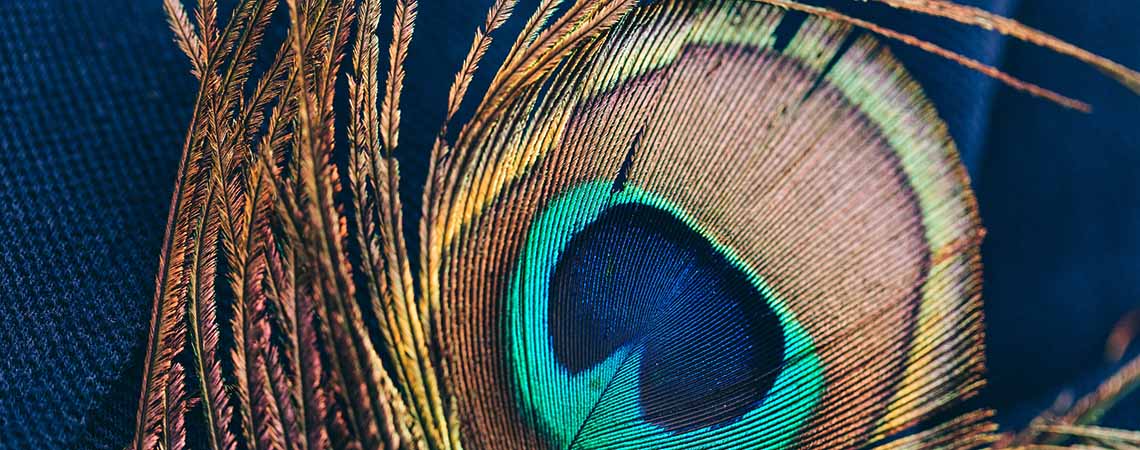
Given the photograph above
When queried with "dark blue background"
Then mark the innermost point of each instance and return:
(94, 100)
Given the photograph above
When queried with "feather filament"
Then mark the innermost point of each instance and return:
(177, 405)
(167, 332)
(981, 18)
(338, 315)
(185, 35)
(1049, 427)
(582, 21)
(310, 169)
(579, 24)
(222, 216)
(203, 325)
(534, 26)
(245, 36)
(243, 211)
(207, 16)
(930, 47)
(271, 431)
(378, 222)
(1100, 436)
(403, 26)
(970, 430)
(498, 14)
(264, 400)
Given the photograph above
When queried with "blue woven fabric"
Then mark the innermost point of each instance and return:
(94, 105)
(95, 98)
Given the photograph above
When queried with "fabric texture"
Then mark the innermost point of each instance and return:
(95, 98)
(94, 106)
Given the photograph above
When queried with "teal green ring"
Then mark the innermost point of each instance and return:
(559, 402)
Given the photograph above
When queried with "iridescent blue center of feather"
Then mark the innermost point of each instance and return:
(638, 276)
(630, 326)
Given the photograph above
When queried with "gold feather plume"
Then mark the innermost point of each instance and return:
(660, 228)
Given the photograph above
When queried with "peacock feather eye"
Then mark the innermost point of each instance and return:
(630, 320)
(698, 236)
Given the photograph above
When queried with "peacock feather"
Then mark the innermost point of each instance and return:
(666, 225)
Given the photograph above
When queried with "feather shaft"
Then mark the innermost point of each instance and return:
(971, 15)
